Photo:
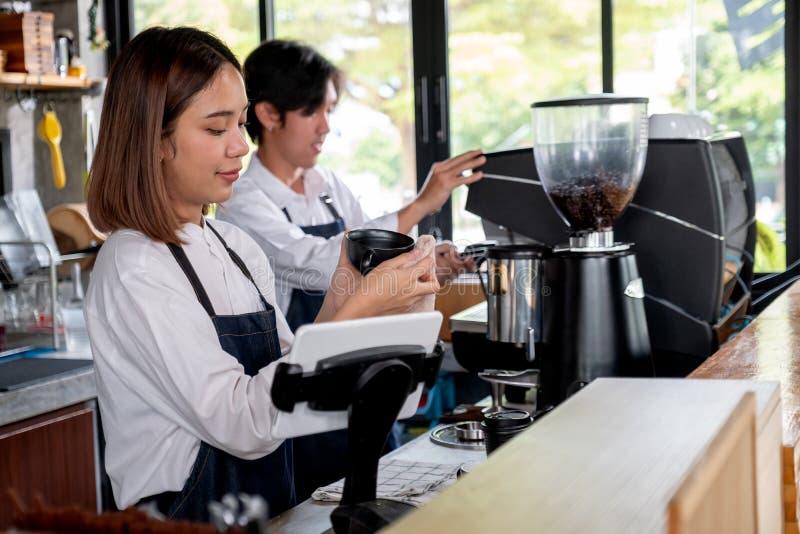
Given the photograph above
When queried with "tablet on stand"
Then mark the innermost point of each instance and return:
(361, 375)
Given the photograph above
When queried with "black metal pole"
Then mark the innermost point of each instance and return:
(607, 44)
(119, 25)
(431, 98)
(792, 110)
(266, 20)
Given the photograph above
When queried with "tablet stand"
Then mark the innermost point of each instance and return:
(372, 384)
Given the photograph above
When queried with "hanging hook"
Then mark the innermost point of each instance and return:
(26, 104)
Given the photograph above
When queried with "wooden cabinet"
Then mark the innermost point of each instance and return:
(53, 455)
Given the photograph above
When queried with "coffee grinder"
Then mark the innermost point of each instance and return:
(590, 153)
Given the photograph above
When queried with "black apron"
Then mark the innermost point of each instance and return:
(251, 338)
(319, 458)
(305, 304)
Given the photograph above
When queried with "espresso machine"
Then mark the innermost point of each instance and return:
(590, 154)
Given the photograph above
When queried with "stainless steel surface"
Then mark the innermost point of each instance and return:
(596, 241)
(593, 242)
(47, 396)
(499, 379)
(635, 289)
(473, 319)
(447, 436)
(531, 348)
(528, 378)
(498, 390)
(469, 431)
(512, 294)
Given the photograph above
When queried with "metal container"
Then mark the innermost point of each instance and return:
(513, 287)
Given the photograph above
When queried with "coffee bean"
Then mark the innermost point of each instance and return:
(592, 203)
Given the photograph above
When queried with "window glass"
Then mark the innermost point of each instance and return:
(505, 55)
(234, 21)
(723, 60)
(371, 143)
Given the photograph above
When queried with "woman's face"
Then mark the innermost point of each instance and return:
(203, 156)
(299, 140)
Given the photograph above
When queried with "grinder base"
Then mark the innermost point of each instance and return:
(594, 321)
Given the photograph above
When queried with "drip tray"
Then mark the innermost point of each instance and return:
(23, 372)
(448, 436)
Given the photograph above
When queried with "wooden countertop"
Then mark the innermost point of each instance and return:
(768, 349)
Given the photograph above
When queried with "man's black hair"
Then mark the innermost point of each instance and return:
(290, 76)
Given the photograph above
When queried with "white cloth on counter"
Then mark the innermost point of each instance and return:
(163, 380)
(400, 480)
(298, 259)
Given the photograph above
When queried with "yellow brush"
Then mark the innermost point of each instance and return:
(50, 132)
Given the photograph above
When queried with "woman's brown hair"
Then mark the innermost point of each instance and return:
(150, 84)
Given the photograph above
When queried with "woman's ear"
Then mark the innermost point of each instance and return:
(166, 150)
(267, 115)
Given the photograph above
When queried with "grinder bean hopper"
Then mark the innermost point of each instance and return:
(590, 153)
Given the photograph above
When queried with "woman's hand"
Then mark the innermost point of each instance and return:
(395, 286)
(449, 262)
(345, 281)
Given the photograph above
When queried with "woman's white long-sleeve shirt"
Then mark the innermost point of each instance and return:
(298, 259)
(164, 383)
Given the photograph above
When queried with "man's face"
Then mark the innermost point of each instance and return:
(299, 139)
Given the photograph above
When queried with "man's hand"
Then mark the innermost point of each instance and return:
(449, 262)
(445, 176)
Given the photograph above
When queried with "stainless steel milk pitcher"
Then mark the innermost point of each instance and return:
(513, 287)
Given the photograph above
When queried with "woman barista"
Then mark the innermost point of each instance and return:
(180, 310)
(297, 211)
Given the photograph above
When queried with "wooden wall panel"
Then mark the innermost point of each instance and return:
(52, 456)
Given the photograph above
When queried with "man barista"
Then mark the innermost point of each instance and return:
(298, 212)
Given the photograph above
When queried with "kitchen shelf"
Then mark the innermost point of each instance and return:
(42, 82)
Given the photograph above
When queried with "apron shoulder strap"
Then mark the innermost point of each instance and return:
(326, 199)
(239, 263)
(186, 266)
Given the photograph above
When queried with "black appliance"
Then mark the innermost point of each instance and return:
(693, 209)
(589, 154)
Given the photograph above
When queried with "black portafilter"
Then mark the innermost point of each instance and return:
(372, 385)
